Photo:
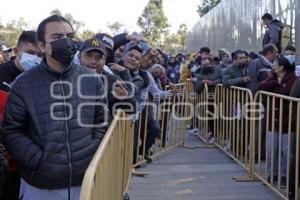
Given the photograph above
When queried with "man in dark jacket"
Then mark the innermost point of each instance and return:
(260, 68)
(92, 55)
(237, 73)
(210, 75)
(273, 31)
(48, 127)
(26, 57)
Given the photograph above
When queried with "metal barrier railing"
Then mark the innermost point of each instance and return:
(233, 125)
(276, 143)
(169, 115)
(108, 174)
(200, 110)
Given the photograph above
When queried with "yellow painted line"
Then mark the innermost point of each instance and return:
(179, 181)
(183, 192)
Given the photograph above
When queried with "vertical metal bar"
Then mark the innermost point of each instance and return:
(267, 139)
(242, 131)
(238, 133)
(280, 143)
(273, 135)
(289, 150)
(259, 138)
(247, 161)
(233, 131)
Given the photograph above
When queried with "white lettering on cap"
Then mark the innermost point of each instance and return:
(108, 40)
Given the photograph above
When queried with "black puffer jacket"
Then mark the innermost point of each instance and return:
(44, 132)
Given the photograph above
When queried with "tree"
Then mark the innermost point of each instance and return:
(56, 12)
(153, 22)
(11, 31)
(115, 27)
(206, 5)
(86, 34)
(77, 25)
(182, 36)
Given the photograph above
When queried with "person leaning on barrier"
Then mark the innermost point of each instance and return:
(261, 67)
(237, 73)
(209, 74)
(49, 130)
(153, 126)
(92, 55)
(280, 82)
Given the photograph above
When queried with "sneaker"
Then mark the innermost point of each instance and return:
(275, 179)
(211, 141)
(227, 146)
(193, 131)
(209, 135)
(148, 159)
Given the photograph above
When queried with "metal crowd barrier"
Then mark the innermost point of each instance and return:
(233, 124)
(199, 111)
(108, 174)
(170, 113)
(276, 143)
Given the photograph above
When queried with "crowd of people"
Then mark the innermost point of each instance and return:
(58, 96)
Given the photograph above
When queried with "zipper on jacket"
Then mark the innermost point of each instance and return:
(67, 134)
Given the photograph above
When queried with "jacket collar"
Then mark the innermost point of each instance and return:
(57, 75)
(265, 61)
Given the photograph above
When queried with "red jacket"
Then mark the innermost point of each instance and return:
(271, 84)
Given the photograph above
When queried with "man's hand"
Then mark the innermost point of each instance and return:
(247, 79)
(133, 38)
(119, 91)
(116, 67)
(208, 82)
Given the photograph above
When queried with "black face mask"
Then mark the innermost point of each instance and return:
(63, 50)
(242, 65)
(207, 69)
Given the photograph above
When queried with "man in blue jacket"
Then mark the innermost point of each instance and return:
(55, 117)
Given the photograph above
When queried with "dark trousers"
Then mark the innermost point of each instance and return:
(12, 186)
(153, 129)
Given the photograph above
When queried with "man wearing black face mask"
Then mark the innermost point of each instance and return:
(237, 73)
(49, 127)
(211, 76)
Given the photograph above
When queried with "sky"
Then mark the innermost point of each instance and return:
(96, 14)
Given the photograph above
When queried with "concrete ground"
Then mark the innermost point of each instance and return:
(195, 174)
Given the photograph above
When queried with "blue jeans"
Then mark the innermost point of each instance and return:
(28, 192)
(284, 152)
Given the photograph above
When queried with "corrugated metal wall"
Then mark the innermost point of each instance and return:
(236, 24)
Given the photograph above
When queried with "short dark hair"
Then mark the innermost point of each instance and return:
(40, 35)
(268, 48)
(237, 52)
(204, 49)
(253, 55)
(290, 48)
(283, 61)
(27, 37)
(135, 48)
(267, 16)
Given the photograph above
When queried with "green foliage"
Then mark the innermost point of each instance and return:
(176, 41)
(11, 31)
(154, 23)
(115, 27)
(206, 5)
